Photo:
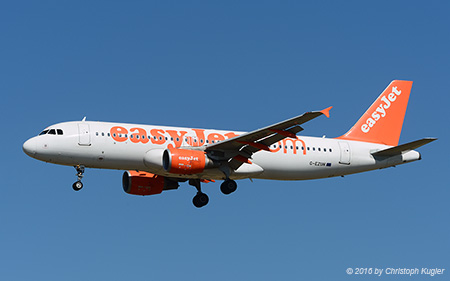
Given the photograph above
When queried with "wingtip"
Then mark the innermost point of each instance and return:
(326, 111)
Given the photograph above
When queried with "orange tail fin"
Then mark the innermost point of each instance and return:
(382, 122)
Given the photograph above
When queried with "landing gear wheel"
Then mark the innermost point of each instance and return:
(228, 187)
(78, 185)
(200, 200)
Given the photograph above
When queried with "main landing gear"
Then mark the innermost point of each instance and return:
(228, 186)
(78, 185)
(201, 199)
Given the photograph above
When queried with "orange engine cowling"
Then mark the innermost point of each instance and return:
(184, 161)
(143, 183)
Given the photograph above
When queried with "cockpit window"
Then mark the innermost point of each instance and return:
(52, 132)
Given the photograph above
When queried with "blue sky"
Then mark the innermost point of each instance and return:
(236, 65)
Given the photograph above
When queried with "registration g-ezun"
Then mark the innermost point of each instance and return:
(159, 158)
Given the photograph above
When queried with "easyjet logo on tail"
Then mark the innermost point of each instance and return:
(382, 110)
(383, 121)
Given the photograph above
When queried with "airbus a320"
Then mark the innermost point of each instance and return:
(158, 158)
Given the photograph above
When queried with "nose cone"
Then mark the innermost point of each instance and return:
(29, 147)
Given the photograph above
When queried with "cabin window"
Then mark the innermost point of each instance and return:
(318, 148)
(103, 134)
(330, 149)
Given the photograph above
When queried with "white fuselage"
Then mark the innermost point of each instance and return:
(130, 147)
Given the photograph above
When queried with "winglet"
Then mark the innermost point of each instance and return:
(326, 111)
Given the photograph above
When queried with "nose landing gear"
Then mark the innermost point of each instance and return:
(78, 185)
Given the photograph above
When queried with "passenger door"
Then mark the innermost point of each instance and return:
(345, 153)
(84, 136)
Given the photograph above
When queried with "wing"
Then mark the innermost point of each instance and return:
(238, 150)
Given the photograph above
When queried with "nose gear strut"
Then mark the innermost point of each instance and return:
(78, 185)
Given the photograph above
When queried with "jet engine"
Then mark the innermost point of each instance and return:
(143, 183)
(184, 161)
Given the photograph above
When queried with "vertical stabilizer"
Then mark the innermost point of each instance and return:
(383, 121)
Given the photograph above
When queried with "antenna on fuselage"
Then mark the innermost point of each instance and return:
(84, 119)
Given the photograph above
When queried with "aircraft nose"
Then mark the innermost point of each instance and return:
(29, 147)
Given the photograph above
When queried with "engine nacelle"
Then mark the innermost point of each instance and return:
(184, 161)
(153, 160)
(143, 183)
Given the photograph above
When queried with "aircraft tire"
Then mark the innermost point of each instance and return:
(78, 185)
(200, 200)
(228, 187)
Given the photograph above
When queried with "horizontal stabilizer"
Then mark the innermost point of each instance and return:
(396, 150)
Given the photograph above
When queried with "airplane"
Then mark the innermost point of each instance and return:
(158, 158)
